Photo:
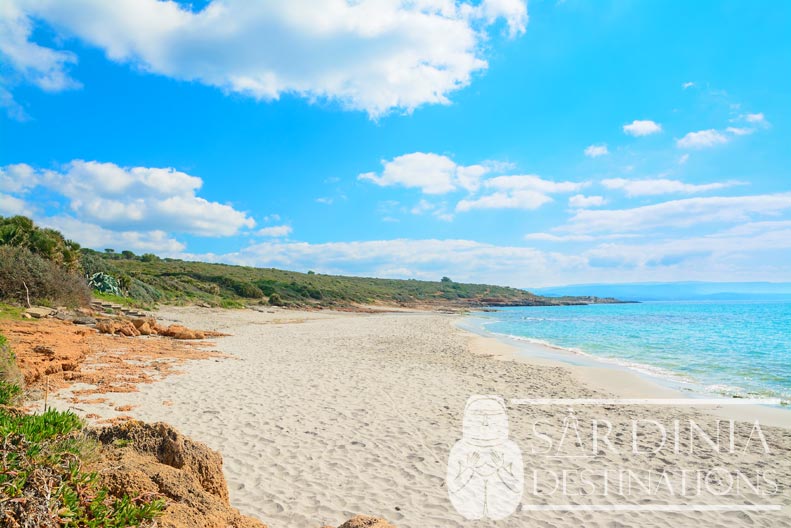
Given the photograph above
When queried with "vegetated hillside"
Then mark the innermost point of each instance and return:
(40, 266)
(149, 279)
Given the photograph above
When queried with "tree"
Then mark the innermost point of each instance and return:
(20, 231)
(446, 279)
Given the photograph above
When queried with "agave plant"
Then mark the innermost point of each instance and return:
(104, 283)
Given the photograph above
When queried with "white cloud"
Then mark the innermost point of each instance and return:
(438, 210)
(462, 260)
(686, 85)
(653, 187)
(727, 255)
(436, 174)
(642, 128)
(520, 199)
(12, 109)
(702, 139)
(532, 182)
(12, 206)
(580, 200)
(739, 131)
(18, 178)
(275, 231)
(683, 159)
(371, 55)
(594, 151)
(44, 67)
(747, 243)
(431, 173)
(94, 236)
(551, 237)
(755, 118)
(133, 198)
(682, 213)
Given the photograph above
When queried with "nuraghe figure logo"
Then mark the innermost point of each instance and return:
(485, 473)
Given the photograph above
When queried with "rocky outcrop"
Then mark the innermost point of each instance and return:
(365, 521)
(139, 459)
(149, 326)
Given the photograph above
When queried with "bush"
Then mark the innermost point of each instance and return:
(46, 282)
(276, 300)
(11, 378)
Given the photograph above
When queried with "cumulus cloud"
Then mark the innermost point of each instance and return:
(139, 204)
(652, 187)
(642, 128)
(594, 151)
(580, 200)
(275, 231)
(142, 198)
(371, 55)
(431, 173)
(702, 139)
(436, 174)
(521, 191)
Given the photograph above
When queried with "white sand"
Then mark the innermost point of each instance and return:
(323, 415)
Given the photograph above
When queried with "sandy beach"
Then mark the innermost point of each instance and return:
(323, 415)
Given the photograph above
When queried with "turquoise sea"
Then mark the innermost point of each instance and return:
(735, 348)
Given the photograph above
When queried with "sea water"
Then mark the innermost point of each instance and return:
(736, 348)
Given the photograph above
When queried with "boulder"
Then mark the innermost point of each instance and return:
(84, 320)
(124, 328)
(39, 311)
(177, 331)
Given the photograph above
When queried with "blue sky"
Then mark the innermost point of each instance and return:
(555, 143)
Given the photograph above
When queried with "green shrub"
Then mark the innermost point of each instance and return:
(46, 282)
(9, 393)
(276, 300)
(42, 478)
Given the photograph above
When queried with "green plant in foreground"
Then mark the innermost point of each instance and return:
(42, 465)
(8, 392)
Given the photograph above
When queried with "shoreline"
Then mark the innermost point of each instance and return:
(621, 380)
(320, 416)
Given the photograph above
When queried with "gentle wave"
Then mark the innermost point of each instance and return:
(642, 368)
(731, 349)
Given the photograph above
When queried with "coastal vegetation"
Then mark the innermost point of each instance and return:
(40, 265)
(43, 480)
